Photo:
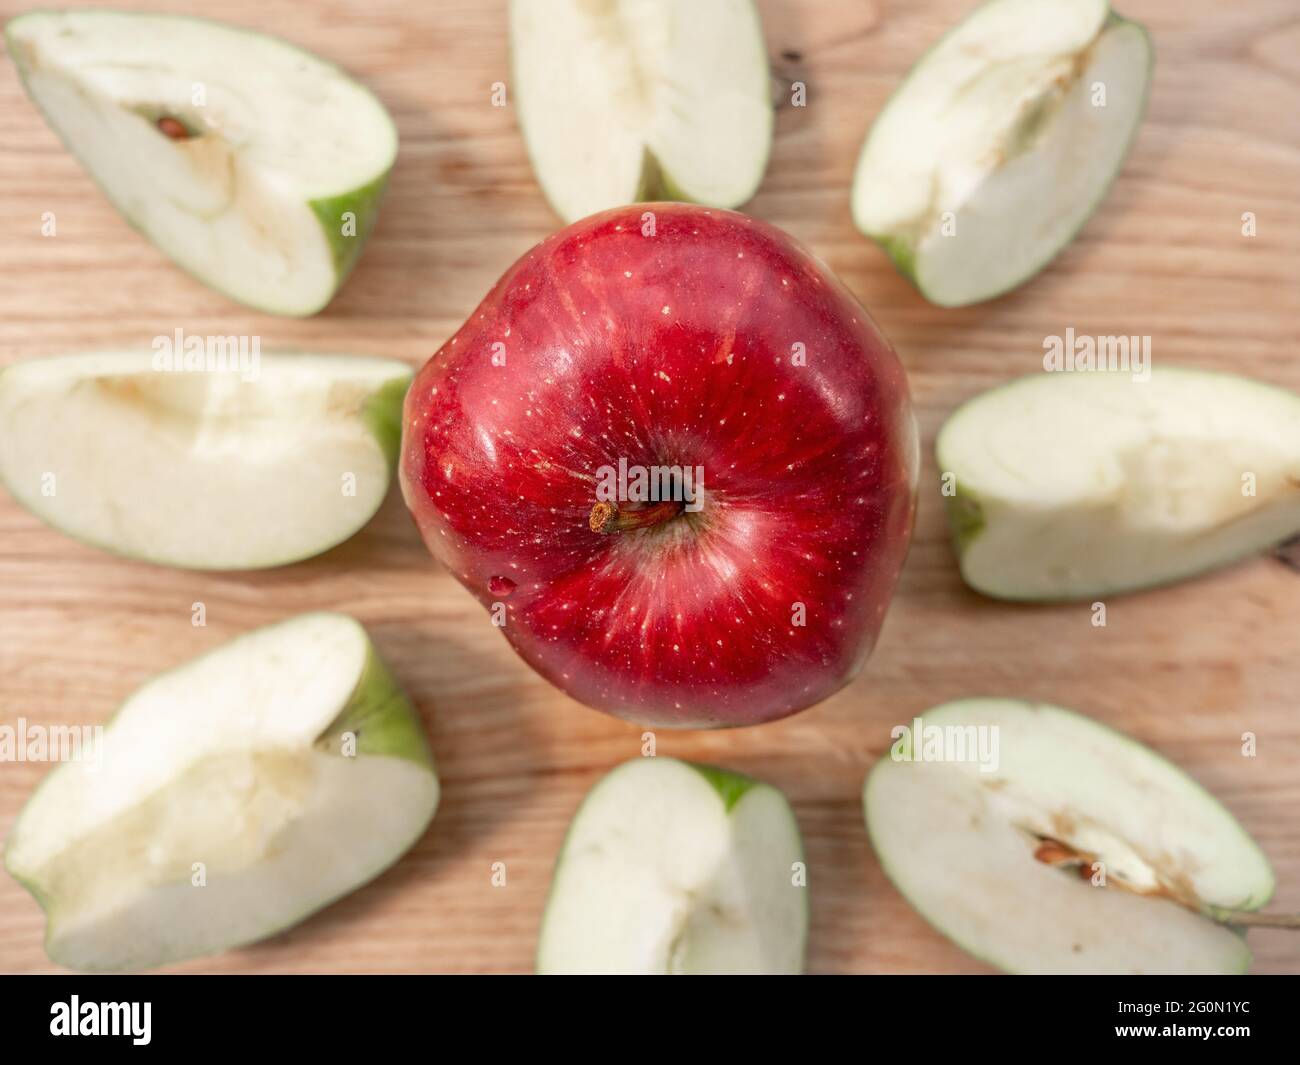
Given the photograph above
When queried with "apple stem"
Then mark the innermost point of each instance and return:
(608, 518)
(1249, 919)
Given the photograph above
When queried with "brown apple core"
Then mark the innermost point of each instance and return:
(1054, 852)
(1062, 856)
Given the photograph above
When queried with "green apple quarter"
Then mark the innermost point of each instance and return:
(1073, 486)
(1079, 850)
(676, 868)
(622, 101)
(229, 798)
(1000, 143)
(256, 166)
(236, 467)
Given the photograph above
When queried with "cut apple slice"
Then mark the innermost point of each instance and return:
(202, 469)
(994, 859)
(676, 868)
(229, 798)
(1076, 485)
(1000, 144)
(627, 100)
(255, 165)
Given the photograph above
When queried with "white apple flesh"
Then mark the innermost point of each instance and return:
(994, 859)
(628, 100)
(202, 469)
(254, 165)
(1000, 143)
(230, 798)
(672, 868)
(1076, 485)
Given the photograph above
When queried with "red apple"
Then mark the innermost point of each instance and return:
(670, 335)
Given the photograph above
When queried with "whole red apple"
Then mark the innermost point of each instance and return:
(700, 342)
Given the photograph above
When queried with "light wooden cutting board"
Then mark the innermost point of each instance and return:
(1187, 669)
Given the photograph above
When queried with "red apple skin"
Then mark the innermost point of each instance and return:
(671, 347)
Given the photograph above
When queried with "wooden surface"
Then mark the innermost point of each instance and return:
(1186, 669)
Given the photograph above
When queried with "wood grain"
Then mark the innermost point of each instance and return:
(1187, 669)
